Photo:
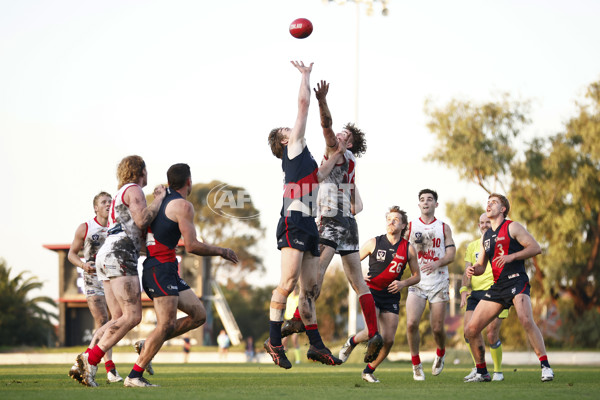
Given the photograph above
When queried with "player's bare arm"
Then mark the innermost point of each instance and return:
(143, 214)
(182, 212)
(479, 267)
(326, 120)
(521, 235)
(415, 273)
(356, 204)
(327, 166)
(76, 247)
(296, 139)
(367, 248)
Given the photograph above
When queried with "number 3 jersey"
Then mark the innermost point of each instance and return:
(428, 240)
(499, 242)
(387, 262)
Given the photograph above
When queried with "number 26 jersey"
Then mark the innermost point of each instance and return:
(387, 262)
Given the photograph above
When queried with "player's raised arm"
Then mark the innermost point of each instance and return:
(326, 120)
(297, 133)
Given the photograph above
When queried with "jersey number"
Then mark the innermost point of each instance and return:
(437, 242)
(395, 267)
(499, 250)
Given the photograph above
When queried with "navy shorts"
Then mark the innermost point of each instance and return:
(476, 296)
(298, 231)
(163, 280)
(386, 301)
(504, 292)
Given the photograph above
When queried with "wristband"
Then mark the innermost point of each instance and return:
(463, 289)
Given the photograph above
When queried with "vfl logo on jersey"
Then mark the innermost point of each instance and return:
(95, 239)
(486, 244)
(418, 237)
(381, 255)
(514, 290)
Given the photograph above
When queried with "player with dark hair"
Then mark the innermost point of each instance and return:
(433, 241)
(507, 245)
(117, 260)
(297, 234)
(338, 203)
(388, 256)
(89, 237)
(161, 280)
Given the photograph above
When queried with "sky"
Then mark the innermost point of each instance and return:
(85, 83)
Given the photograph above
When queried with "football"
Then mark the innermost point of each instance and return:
(301, 28)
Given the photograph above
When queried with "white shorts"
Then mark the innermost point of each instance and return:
(436, 293)
(92, 285)
(113, 261)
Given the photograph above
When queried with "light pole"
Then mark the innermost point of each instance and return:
(352, 298)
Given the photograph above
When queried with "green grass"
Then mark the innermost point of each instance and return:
(305, 381)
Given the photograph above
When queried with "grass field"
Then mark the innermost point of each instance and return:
(305, 381)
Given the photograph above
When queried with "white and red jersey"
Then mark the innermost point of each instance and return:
(95, 235)
(428, 240)
(335, 190)
(120, 215)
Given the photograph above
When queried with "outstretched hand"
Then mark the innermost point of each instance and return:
(321, 90)
(230, 255)
(301, 67)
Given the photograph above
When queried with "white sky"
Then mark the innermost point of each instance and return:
(85, 83)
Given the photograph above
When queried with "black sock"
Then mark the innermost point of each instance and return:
(315, 338)
(275, 332)
(368, 369)
(135, 374)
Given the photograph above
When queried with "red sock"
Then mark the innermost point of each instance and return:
(367, 304)
(109, 365)
(297, 315)
(544, 358)
(441, 352)
(416, 360)
(95, 355)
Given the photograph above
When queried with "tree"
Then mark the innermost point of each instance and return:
(225, 216)
(476, 140)
(23, 321)
(554, 188)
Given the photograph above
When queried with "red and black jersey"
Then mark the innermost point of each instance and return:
(300, 179)
(499, 242)
(163, 235)
(387, 262)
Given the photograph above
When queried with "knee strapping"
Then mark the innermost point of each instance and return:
(282, 291)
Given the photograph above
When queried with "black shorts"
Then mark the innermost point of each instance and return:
(504, 292)
(386, 301)
(163, 280)
(298, 231)
(474, 299)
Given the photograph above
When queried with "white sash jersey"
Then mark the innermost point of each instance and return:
(428, 240)
(95, 235)
(335, 191)
(121, 250)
